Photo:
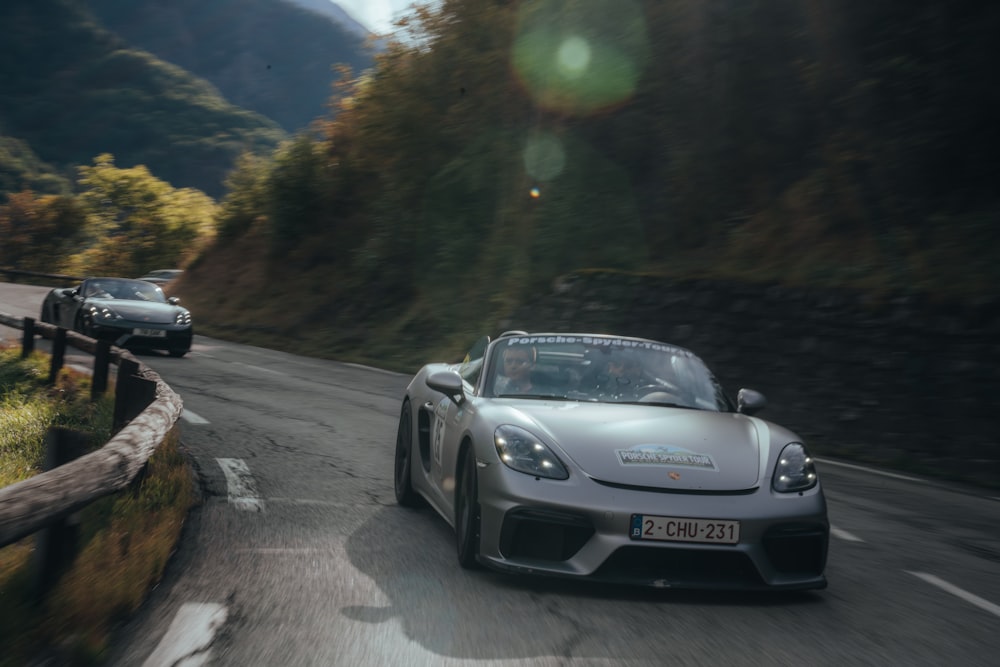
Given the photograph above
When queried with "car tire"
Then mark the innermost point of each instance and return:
(467, 512)
(402, 481)
(177, 352)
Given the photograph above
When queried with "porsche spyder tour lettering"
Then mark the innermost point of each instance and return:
(663, 456)
(598, 342)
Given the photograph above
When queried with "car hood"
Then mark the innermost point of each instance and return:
(140, 311)
(653, 446)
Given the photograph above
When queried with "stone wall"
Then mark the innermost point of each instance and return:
(894, 380)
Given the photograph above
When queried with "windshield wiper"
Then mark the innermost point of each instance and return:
(659, 404)
(557, 397)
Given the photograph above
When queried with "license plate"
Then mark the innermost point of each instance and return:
(150, 333)
(679, 529)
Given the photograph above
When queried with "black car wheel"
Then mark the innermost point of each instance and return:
(467, 514)
(177, 352)
(405, 495)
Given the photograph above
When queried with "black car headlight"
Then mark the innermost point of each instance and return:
(795, 470)
(523, 452)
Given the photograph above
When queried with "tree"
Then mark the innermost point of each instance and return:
(136, 222)
(39, 231)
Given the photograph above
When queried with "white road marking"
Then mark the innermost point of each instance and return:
(844, 535)
(241, 484)
(258, 368)
(371, 368)
(871, 470)
(958, 592)
(189, 639)
(192, 418)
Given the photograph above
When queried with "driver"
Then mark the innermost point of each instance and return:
(518, 362)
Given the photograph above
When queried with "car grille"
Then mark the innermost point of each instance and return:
(699, 567)
(543, 534)
(797, 548)
(686, 492)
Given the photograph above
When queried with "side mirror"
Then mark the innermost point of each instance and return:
(749, 401)
(448, 383)
(173, 300)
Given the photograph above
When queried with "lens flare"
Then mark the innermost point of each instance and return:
(580, 58)
(544, 156)
(573, 57)
(534, 193)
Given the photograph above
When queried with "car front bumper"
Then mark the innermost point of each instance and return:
(173, 337)
(581, 528)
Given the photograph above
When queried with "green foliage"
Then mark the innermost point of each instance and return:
(29, 406)
(136, 222)
(301, 192)
(39, 232)
(72, 90)
(21, 169)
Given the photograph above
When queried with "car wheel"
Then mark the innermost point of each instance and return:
(405, 495)
(177, 352)
(467, 513)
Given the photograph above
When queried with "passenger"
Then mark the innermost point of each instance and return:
(624, 371)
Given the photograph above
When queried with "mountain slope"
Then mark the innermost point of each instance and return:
(335, 13)
(268, 56)
(73, 90)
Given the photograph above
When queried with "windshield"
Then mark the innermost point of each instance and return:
(602, 369)
(128, 290)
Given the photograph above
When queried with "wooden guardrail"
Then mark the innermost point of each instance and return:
(17, 273)
(32, 504)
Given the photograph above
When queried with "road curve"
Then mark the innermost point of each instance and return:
(299, 556)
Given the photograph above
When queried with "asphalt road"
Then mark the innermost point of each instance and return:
(299, 556)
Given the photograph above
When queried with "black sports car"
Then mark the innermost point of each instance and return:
(129, 313)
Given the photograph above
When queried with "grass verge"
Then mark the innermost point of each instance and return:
(123, 541)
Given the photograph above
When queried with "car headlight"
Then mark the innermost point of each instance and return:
(182, 318)
(794, 470)
(523, 452)
(104, 313)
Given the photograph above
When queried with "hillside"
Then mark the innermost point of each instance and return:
(335, 13)
(770, 146)
(73, 90)
(269, 56)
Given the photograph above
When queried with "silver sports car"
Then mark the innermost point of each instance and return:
(609, 458)
(126, 312)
